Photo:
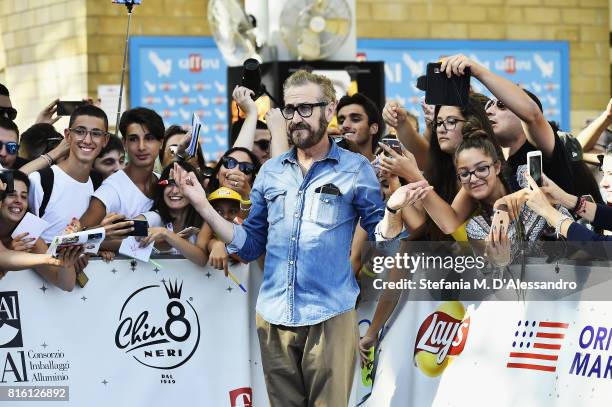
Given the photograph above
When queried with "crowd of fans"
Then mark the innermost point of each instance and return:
(469, 161)
(447, 183)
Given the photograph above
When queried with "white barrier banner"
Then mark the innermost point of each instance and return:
(502, 353)
(139, 335)
(136, 335)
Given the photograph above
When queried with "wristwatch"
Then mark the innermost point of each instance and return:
(393, 211)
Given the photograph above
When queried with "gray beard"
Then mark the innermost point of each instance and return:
(312, 138)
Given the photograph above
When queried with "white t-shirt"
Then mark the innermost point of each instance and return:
(69, 199)
(120, 195)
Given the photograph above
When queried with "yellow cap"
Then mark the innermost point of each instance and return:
(224, 193)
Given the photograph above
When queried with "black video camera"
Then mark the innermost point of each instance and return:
(251, 77)
(441, 90)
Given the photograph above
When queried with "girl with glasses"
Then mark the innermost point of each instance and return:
(449, 125)
(480, 171)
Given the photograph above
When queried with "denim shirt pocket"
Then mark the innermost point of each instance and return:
(275, 200)
(324, 209)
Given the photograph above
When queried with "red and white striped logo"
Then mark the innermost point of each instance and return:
(510, 64)
(195, 62)
(536, 345)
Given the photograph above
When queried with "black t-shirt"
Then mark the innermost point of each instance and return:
(19, 162)
(557, 167)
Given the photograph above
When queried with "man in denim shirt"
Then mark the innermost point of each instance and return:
(305, 206)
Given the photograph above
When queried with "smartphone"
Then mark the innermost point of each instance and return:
(7, 178)
(141, 228)
(65, 108)
(589, 198)
(442, 90)
(394, 144)
(534, 166)
(190, 231)
(341, 142)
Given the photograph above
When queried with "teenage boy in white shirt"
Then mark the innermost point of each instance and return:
(130, 191)
(71, 186)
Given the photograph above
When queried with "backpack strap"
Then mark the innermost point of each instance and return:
(96, 179)
(46, 182)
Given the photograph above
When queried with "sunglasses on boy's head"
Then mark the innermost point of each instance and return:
(11, 147)
(500, 105)
(246, 168)
(8, 112)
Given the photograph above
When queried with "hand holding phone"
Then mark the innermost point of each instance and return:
(141, 228)
(65, 108)
(188, 232)
(442, 90)
(499, 225)
(394, 144)
(534, 166)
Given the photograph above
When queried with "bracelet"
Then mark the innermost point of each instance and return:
(245, 205)
(48, 158)
(560, 223)
(393, 211)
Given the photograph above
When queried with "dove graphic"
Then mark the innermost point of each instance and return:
(184, 114)
(546, 68)
(184, 86)
(150, 86)
(416, 68)
(163, 66)
(220, 113)
(203, 101)
(220, 87)
(170, 101)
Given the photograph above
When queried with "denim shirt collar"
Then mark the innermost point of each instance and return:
(333, 154)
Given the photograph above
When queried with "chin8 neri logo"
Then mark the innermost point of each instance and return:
(157, 328)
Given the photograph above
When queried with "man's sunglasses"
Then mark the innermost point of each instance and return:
(8, 112)
(11, 147)
(500, 105)
(246, 168)
(263, 145)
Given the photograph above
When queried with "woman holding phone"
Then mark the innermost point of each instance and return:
(480, 172)
(541, 200)
(449, 126)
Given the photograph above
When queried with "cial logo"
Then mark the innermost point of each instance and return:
(242, 397)
(157, 333)
(441, 337)
(10, 321)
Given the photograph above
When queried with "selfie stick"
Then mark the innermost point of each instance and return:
(129, 4)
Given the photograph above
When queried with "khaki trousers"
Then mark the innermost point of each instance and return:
(309, 365)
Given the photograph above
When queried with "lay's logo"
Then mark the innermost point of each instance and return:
(441, 336)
